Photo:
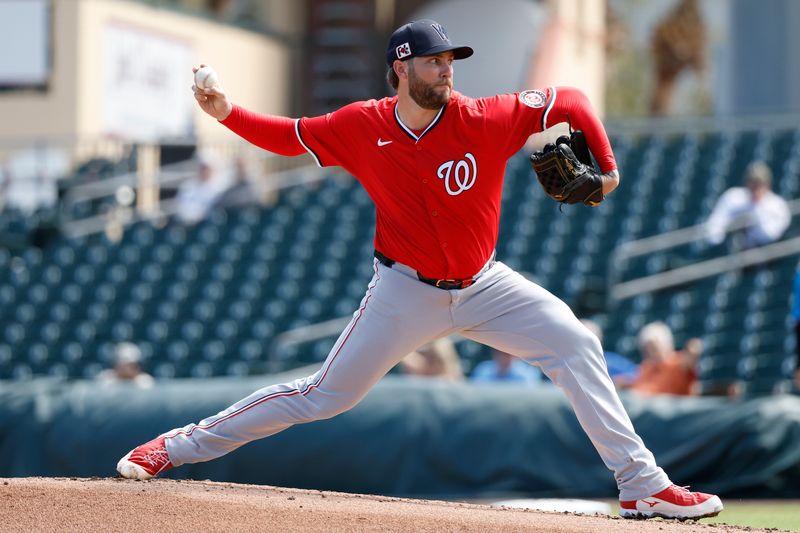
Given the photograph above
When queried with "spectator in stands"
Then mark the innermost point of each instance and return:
(622, 370)
(437, 359)
(127, 368)
(753, 214)
(663, 369)
(196, 196)
(506, 368)
(241, 192)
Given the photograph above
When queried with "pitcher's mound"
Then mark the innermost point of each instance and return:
(57, 504)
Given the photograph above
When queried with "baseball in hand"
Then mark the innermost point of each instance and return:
(205, 78)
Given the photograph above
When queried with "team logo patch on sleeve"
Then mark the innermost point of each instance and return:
(534, 99)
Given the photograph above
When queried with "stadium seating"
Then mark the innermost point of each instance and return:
(210, 299)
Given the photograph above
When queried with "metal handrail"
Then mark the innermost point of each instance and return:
(704, 269)
(303, 334)
(170, 175)
(625, 251)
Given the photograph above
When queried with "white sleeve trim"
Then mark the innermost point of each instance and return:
(549, 107)
(300, 138)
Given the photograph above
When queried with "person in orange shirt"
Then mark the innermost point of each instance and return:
(665, 370)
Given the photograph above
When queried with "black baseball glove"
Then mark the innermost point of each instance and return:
(566, 172)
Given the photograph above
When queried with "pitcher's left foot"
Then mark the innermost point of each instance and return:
(673, 502)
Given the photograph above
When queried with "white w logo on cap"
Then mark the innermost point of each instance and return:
(440, 30)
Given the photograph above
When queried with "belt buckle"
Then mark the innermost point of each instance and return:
(454, 283)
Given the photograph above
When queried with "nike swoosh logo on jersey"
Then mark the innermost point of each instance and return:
(381, 142)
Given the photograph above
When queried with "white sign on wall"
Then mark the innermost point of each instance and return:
(147, 80)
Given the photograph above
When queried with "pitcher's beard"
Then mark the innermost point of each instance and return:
(428, 96)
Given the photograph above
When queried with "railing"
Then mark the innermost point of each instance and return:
(620, 290)
(126, 173)
(133, 193)
(301, 335)
(167, 177)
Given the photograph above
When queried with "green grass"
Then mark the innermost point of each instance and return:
(783, 515)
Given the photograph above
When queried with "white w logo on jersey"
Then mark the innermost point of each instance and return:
(463, 175)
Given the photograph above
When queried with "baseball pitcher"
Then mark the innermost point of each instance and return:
(433, 161)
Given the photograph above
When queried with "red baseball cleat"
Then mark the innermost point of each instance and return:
(673, 502)
(145, 461)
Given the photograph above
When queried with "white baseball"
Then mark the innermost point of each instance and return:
(205, 78)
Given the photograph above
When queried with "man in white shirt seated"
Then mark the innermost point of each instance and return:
(198, 195)
(761, 215)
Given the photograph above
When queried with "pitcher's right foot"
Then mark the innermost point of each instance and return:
(145, 461)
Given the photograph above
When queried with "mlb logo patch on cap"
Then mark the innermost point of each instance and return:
(404, 50)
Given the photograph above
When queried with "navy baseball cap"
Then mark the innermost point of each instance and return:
(424, 37)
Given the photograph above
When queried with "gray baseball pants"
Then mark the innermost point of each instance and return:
(398, 314)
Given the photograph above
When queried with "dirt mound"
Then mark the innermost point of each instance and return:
(53, 504)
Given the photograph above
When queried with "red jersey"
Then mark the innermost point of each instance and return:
(437, 192)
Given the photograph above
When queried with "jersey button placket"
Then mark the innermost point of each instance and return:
(429, 192)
